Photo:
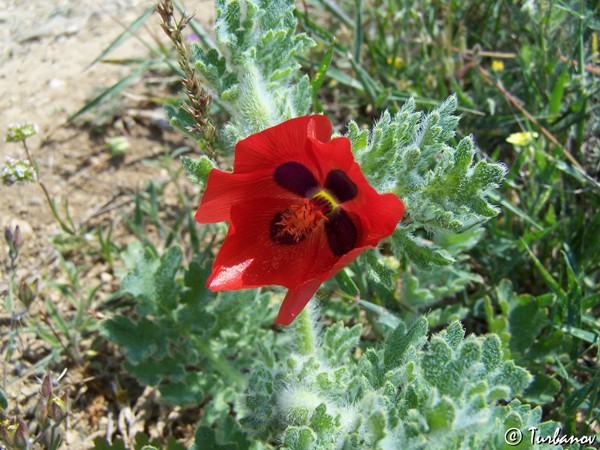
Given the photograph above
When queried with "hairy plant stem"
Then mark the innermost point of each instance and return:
(305, 333)
(220, 364)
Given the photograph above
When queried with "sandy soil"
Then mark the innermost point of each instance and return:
(46, 48)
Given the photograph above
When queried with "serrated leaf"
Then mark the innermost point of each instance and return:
(358, 137)
(339, 340)
(205, 438)
(378, 270)
(418, 253)
(440, 186)
(526, 321)
(153, 280)
(442, 415)
(346, 283)
(299, 438)
(197, 169)
(514, 377)
(399, 341)
(138, 340)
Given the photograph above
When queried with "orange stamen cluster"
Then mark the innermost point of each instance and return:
(302, 219)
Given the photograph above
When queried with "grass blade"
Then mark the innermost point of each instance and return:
(369, 85)
(319, 77)
(515, 210)
(557, 92)
(358, 31)
(587, 336)
(112, 90)
(548, 279)
(335, 9)
(126, 34)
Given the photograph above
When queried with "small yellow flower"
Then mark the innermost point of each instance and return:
(522, 138)
(397, 62)
(594, 46)
(497, 65)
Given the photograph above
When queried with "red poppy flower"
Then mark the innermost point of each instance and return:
(299, 209)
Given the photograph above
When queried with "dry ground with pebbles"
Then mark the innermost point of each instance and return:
(47, 46)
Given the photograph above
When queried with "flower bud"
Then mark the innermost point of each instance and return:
(21, 436)
(6, 433)
(41, 412)
(8, 236)
(18, 237)
(27, 292)
(57, 410)
(46, 388)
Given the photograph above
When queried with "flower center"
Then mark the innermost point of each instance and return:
(297, 222)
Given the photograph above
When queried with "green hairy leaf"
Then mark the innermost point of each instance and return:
(254, 71)
(443, 189)
(197, 169)
(412, 393)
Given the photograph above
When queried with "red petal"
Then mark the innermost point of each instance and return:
(225, 189)
(333, 155)
(250, 198)
(295, 301)
(379, 213)
(282, 143)
(250, 258)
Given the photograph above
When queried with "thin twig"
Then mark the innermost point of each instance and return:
(588, 67)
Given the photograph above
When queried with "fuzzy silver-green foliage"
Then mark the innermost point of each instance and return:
(252, 71)
(413, 393)
(411, 154)
(307, 388)
(421, 290)
(179, 326)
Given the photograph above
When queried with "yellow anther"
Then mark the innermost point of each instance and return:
(328, 199)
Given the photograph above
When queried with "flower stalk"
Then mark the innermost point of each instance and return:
(305, 333)
(198, 96)
(63, 225)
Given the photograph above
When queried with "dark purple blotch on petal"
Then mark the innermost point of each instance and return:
(341, 186)
(296, 178)
(341, 232)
